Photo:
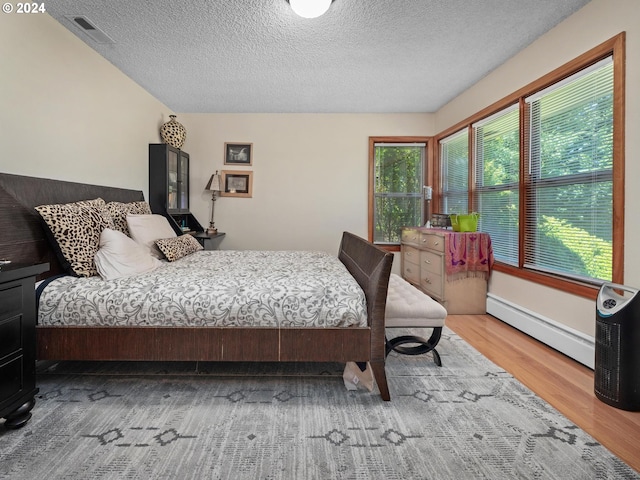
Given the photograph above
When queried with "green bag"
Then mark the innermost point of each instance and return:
(464, 223)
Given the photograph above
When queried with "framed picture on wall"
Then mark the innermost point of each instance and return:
(238, 153)
(237, 183)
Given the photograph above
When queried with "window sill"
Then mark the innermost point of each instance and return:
(388, 248)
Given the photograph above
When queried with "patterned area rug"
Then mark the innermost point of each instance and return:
(467, 419)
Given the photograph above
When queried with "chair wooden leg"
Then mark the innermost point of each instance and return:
(381, 379)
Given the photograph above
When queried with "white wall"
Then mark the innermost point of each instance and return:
(66, 113)
(596, 22)
(310, 174)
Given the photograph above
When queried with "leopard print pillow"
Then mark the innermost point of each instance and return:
(119, 212)
(177, 247)
(75, 230)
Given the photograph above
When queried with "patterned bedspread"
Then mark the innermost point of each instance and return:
(215, 288)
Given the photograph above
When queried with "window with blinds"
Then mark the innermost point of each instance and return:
(497, 176)
(454, 172)
(569, 201)
(546, 168)
(397, 189)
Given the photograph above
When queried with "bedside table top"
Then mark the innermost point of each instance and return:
(206, 235)
(13, 271)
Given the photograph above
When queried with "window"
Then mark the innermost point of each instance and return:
(454, 172)
(569, 202)
(547, 173)
(397, 171)
(497, 164)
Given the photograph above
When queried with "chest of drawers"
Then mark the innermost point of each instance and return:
(18, 342)
(423, 264)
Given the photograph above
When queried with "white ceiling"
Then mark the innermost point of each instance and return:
(257, 56)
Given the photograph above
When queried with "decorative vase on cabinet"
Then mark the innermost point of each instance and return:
(173, 132)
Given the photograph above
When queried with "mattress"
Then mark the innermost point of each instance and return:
(214, 288)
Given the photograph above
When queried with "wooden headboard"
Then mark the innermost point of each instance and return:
(22, 237)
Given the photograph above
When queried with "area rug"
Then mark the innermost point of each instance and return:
(468, 419)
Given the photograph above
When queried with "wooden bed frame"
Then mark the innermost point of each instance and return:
(24, 241)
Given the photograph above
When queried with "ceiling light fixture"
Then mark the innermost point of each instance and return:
(310, 8)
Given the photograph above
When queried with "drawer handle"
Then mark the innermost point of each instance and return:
(426, 279)
(436, 243)
(408, 254)
(428, 262)
(408, 270)
(424, 240)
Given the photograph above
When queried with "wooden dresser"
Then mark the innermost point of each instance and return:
(424, 264)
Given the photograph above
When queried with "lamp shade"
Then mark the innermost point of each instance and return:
(310, 8)
(214, 183)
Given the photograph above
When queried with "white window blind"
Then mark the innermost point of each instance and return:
(454, 171)
(497, 155)
(569, 206)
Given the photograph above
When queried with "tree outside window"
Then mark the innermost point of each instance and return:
(397, 179)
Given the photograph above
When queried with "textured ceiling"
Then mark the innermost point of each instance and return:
(252, 56)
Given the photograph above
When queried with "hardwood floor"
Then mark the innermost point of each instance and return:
(561, 381)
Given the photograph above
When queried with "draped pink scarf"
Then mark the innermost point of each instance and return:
(468, 253)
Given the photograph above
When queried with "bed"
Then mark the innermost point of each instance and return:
(24, 241)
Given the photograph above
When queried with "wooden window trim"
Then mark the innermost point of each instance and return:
(428, 173)
(616, 47)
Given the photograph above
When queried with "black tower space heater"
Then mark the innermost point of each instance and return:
(617, 362)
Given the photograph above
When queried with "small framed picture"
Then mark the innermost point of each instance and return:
(238, 153)
(237, 183)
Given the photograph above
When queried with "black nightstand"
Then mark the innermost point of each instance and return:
(18, 342)
(209, 241)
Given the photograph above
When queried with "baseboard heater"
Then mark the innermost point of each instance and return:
(574, 344)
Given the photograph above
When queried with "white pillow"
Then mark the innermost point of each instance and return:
(120, 256)
(146, 229)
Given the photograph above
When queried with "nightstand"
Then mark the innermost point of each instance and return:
(18, 342)
(209, 241)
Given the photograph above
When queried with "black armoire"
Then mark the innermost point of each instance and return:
(169, 187)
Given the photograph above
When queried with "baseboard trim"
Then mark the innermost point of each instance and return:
(574, 344)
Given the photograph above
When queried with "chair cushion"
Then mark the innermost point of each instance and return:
(409, 307)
